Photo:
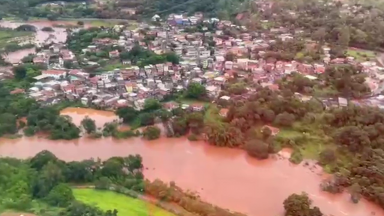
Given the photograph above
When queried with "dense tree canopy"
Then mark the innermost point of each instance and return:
(257, 148)
(300, 205)
(88, 124)
(196, 91)
(347, 79)
(151, 133)
(128, 114)
(49, 120)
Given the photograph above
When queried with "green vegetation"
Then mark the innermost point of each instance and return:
(300, 205)
(151, 133)
(293, 50)
(49, 120)
(140, 56)
(83, 38)
(125, 205)
(111, 67)
(145, 117)
(343, 80)
(339, 26)
(47, 29)
(39, 185)
(10, 39)
(196, 91)
(361, 55)
(89, 125)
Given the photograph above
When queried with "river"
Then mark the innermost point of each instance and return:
(225, 177)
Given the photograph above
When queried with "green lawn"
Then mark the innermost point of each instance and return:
(111, 66)
(7, 36)
(126, 206)
(308, 139)
(99, 23)
(361, 55)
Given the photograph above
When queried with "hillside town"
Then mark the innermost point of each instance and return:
(209, 57)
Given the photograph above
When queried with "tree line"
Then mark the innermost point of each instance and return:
(45, 179)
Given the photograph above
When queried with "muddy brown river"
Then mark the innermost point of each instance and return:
(225, 177)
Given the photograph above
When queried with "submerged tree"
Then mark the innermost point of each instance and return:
(300, 205)
(257, 148)
(88, 124)
(151, 133)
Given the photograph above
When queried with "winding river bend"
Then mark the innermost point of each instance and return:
(222, 176)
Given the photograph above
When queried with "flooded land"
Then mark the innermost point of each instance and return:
(222, 176)
(59, 35)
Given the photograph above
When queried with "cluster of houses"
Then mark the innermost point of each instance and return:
(200, 62)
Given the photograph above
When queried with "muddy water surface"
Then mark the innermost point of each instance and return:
(17, 56)
(225, 177)
(78, 114)
(59, 35)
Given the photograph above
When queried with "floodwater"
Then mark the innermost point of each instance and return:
(78, 114)
(17, 56)
(225, 177)
(58, 35)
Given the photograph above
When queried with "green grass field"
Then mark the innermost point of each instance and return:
(126, 206)
(361, 55)
(6, 36)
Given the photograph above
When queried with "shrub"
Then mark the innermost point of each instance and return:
(192, 137)
(296, 157)
(257, 148)
(327, 156)
(61, 196)
(29, 131)
(47, 29)
(151, 133)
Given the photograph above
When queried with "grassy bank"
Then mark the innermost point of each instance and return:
(9, 36)
(360, 54)
(125, 205)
